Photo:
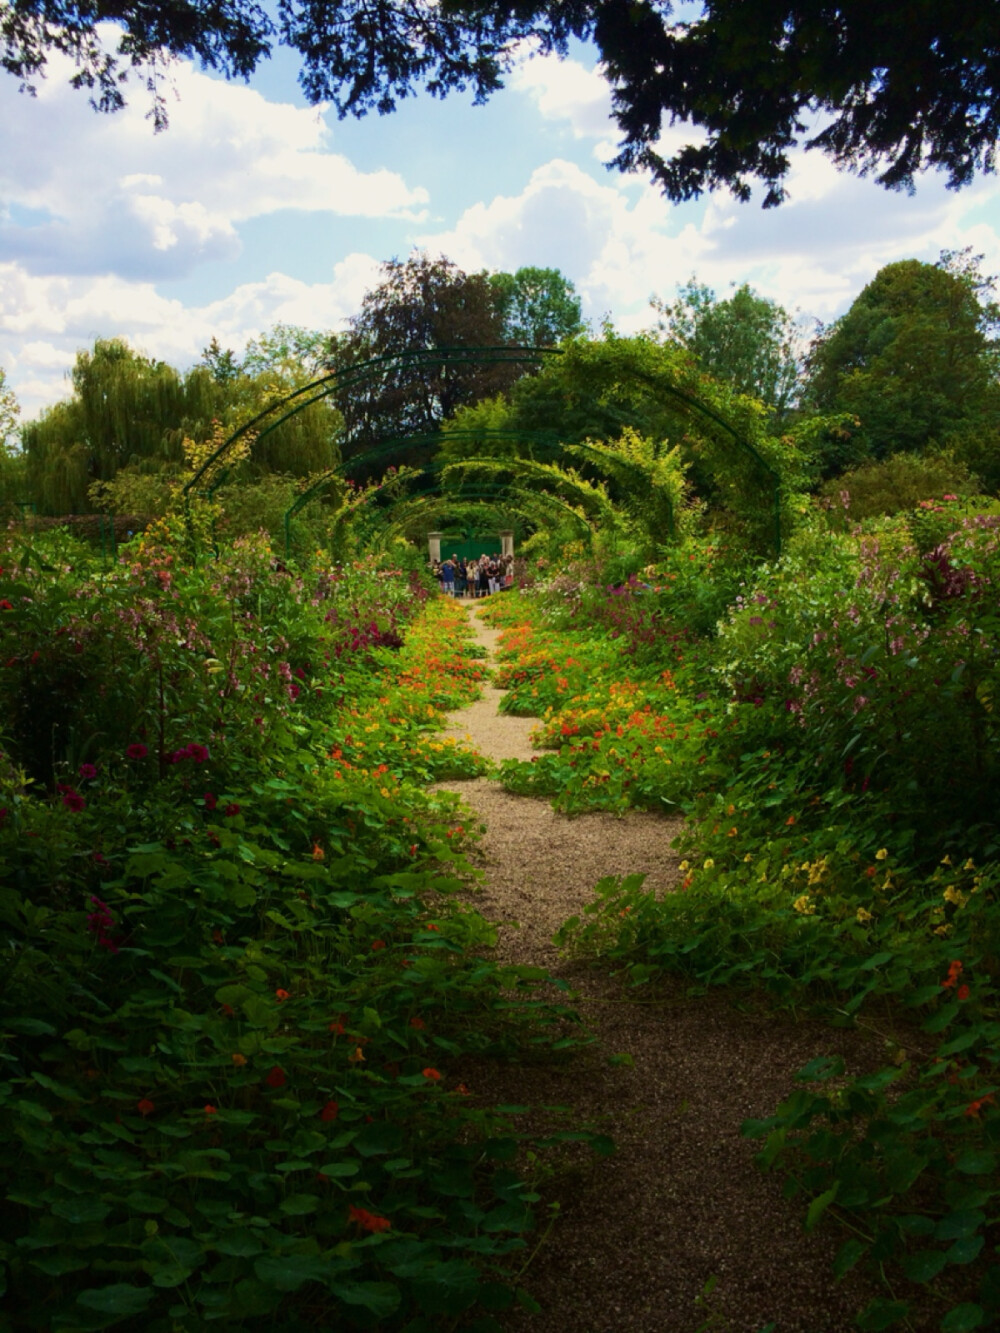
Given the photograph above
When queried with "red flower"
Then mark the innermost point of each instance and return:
(338, 1028)
(417, 1023)
(5, 605)
(432, 1074)
(330, 1111)
(211, 1110)
(145, 1107)
(962, 993)
(211, 801)
(231, 810)
(377, 944)
(954, 972)
(282, 995)
(74, 801)
(276, 1078)
(368, 1221)
(137, 751)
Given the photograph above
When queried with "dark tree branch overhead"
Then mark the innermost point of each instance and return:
(897, 86)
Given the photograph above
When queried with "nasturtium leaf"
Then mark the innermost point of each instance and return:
(924, 1265)
(118, 1299)
(963, 1318)
(287, 1272)
(975, 1162)
(298, 1205)
(381, 1299)
(847, 1256)
(81, 1208)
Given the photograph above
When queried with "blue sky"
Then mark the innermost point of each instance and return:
(254, 208)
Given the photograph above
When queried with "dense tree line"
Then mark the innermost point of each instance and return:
(911, 369)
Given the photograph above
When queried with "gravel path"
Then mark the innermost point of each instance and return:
(670, 1078)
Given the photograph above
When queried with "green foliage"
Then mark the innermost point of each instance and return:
(597, 390)
(835, 752)
(914, 360)
(239, 981)
(539, 306)
(895, 484)
(131, 414)
(746, 341)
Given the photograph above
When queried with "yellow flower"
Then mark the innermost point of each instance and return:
(685, 865)
(730, 809)
(942, 930)
(864, 916)
(803, 905)
(748, 858)
(709, 864)
(953, 895)
(385, 792)
(881, 854)
(946, 860)
(969, 865)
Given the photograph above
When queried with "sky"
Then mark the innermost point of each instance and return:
(253, 208)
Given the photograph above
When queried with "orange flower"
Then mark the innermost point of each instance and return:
(318, 852)
(211, 1110)
(377, 944)
(954, 972)
(368, 1221)
(145, 1107)
(356, 1056)
(417, 1023)
(282, 995)
(790, 821)
(432, 1074)
(337, 1028)
(239, 1060)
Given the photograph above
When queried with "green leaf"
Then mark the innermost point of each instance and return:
(120, 1299)
(287, 1272)
(963, 1318)
(820, 1204)
(847, 1256)
(81, 1208)
(882, 1314)
(239, 1243)
(925, 1265)
(298, 1205)
(380, 1298)
(966, 1249)
(976, 1162)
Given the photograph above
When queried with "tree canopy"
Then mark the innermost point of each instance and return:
(746, 340)
(889, 89)
(915, 359)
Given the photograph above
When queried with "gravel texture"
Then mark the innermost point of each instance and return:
(669, 1076)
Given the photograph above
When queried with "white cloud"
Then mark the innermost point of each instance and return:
(566, 90)
(44, 321)
(109, 196)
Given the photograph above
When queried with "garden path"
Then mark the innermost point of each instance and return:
(670, 1078)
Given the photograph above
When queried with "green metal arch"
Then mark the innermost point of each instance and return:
(325, 385)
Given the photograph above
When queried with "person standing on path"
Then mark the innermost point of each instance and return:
(448, 579)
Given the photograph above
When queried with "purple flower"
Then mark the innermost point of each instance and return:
(88, 771)
(137, 751)
(72, 800)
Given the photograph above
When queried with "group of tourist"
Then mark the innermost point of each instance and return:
(474, 578)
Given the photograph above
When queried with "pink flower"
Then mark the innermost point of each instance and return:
(231, 810)
(137, 751)
(88, 771)
(199, 753)
(74, 801)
